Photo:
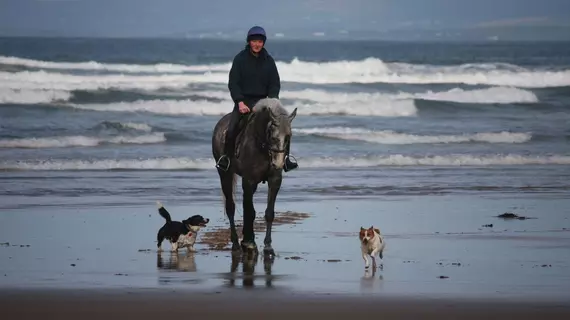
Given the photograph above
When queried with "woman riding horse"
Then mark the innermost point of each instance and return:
(253, 76)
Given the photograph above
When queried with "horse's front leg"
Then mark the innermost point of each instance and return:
(274, 184)
(248, 242)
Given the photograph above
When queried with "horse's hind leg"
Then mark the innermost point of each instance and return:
(227, 181)
(274, 184)
(248, 243)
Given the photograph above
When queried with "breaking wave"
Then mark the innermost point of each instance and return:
(80, 141)
(391, 137)
(370, 70)
(387, 108)
(352, 162)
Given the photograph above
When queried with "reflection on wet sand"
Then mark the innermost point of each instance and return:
(176, 261)
(249, 262)
(171, 261)
(369, 282)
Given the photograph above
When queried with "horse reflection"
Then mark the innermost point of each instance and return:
(177, 261)
(249, 262)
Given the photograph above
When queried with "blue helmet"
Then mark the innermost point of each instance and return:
(256, 32)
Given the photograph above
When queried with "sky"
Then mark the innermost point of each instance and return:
(158, 18)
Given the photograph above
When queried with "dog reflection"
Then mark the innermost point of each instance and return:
(249, 262)
(370, 283)
(176, 261)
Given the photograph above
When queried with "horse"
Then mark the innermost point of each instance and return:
(260, 149)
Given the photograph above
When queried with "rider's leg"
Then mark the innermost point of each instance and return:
(229, 143)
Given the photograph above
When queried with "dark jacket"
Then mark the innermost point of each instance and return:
(252, 78)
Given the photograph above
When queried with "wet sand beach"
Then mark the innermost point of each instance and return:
(95, 261)
(224, 304)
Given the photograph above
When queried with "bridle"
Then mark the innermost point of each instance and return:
(266, 146)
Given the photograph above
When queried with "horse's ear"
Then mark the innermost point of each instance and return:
(293, 115)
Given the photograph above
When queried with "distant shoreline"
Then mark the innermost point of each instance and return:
(286, 39)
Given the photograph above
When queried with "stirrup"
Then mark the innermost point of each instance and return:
(294, 163)
(218, 163)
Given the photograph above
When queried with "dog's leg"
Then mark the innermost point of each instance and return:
(174, 247)
(373, 255)
(365, 257)
(159, 239)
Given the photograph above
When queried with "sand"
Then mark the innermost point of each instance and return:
(230, 304)
(443, 259)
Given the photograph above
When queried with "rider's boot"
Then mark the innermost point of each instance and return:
(289, 165)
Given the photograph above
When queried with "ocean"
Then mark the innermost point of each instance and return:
(123, 122)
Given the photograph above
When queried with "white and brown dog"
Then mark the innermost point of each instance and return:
(371, 244)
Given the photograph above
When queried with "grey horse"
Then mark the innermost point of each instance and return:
(260, 157)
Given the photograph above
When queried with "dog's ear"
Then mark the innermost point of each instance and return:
(361, 228)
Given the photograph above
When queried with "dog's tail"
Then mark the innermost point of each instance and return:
(163, 212)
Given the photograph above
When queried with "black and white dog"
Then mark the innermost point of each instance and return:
(180, 234)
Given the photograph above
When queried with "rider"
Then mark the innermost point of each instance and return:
(253, 76)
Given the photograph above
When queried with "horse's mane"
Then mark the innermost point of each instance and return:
(274, 106)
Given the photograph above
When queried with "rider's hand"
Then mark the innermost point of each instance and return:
(243, 108)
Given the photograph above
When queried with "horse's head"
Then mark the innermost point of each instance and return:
(277, 130)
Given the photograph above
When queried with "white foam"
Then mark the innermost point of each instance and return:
(129, 68)
(369, 70)
(80, 141)
(172, 107)
(321, 102)
(385, 108)
(34, 80)
(488, 95)
(373, 70)
(107, 164)
(354, 162)
(377, 108)
(136, 126)
(32, 96)
(391, 137)
(448, 160)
